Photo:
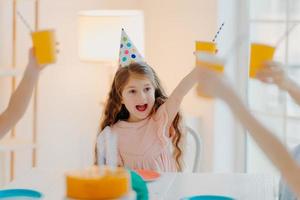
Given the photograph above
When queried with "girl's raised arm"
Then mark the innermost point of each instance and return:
(176, 97)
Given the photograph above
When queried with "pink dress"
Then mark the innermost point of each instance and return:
(146, 144)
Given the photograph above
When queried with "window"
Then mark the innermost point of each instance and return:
(270, 20)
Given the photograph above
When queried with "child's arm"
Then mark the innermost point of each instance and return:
(294, 90)
(273, 73)
(272, 147)
(214, 85)
(21, 97)
(175, 99)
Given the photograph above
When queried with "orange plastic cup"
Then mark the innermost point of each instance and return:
(44, 46)
(260, 53)
(211, 48)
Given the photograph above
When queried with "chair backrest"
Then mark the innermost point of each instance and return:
(285, 193)
(197, 142)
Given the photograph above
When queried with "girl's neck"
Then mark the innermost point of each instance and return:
(134, 120)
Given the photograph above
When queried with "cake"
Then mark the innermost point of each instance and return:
(97, 183)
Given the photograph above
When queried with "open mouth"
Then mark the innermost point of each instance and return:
(141, 108)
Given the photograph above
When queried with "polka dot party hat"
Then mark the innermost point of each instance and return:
(128, 52)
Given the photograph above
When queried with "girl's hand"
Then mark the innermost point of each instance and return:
(32, 65)
(211, 83)
(273, 73)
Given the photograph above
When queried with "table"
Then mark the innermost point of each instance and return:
(239, 186)
(170, 186)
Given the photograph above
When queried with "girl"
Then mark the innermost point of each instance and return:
(144, 119)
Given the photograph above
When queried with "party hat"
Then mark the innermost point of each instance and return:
(128, 52)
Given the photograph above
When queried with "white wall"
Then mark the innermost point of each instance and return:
(73, 91)
(172, 27)
(70, 91)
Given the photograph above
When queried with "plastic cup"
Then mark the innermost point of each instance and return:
(203, 50)
(44, 46)
(260, 53)
(207, 48)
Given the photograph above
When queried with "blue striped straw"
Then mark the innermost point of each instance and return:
(216, 35)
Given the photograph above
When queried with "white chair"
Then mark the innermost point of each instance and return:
(193, 144)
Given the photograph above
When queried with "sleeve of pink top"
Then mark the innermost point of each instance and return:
(161, 120)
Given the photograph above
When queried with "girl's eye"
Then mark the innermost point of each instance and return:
(131, 91)
(147, 89)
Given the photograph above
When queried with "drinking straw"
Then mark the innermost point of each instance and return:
(285, 35)
(24, 21)
(216, 35)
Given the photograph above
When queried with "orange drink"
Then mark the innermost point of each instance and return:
(207, 48)
(44, 46)
(260, 53)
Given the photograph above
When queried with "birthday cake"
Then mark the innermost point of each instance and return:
(97, 183)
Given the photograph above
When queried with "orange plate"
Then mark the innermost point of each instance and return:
(148, 175)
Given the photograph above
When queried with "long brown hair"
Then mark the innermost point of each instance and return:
(115, 110)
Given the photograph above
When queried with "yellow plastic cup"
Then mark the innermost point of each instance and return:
(211, 48)
(210, 61)
(44, 46)
(206, 48)
(260, 53)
